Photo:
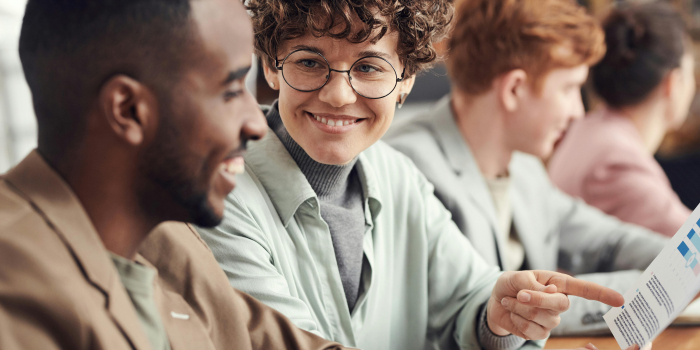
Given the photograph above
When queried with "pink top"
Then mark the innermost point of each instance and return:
(602, 160)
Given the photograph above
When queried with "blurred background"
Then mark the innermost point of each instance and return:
(679, 154)
(17, 125)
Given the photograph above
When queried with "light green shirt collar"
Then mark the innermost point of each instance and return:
(269, 159)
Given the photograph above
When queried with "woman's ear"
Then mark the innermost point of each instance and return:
(672, 83)
(512, 88)
(404, 88)
(670, 89)
(272, 76)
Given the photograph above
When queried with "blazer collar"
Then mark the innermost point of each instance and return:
(461, 159)
(54, 200)
(62, 210)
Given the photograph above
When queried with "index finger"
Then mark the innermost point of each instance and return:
(588, 290)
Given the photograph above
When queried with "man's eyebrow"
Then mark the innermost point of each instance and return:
(236, 75)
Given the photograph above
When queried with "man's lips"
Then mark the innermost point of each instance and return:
(560, 137)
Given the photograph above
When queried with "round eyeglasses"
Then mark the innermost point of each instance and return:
(371, 77)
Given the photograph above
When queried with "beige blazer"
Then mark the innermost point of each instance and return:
(60, 290)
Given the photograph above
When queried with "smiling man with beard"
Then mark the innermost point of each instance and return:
(143, 117)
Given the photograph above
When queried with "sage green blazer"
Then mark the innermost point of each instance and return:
(557, 231)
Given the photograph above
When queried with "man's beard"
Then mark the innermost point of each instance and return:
(164, 164)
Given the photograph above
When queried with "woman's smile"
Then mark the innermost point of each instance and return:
(334, 124)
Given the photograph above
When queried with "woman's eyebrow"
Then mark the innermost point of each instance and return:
(374, 53)
(364, 53)
(307, 47)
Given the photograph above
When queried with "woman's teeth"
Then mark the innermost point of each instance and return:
(334, 122)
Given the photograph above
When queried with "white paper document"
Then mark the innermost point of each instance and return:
(663, 291)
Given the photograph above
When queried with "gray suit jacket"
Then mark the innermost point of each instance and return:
(556, 230)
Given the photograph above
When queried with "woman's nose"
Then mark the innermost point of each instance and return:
(338, 92)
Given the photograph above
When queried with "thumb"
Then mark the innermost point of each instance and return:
(527, 280)
(636, 347)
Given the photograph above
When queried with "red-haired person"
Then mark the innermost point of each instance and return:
(647, 82)
(340, 232)
(517, 67)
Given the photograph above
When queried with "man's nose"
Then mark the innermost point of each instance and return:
(255, 125)
(579, 110)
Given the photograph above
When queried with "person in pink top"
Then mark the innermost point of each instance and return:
(647, 83)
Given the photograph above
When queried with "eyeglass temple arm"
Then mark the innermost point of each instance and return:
(277, 64)
(402, 73)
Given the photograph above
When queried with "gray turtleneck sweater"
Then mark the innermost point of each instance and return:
(339, 191)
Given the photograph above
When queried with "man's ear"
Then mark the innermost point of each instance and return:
(271, 76)
(512, 87)
(128, 107)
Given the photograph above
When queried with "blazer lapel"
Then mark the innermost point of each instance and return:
(531, 229)
(57, 204)
(464, 164)
(184, 328)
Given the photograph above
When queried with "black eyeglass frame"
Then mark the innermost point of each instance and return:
(328, 76)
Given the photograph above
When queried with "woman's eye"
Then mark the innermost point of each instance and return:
(308, 63)
(365, 68)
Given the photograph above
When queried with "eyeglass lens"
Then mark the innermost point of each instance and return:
(371, 77)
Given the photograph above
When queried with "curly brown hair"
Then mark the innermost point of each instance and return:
(420, 24)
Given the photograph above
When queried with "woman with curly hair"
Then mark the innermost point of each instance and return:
(341, 233)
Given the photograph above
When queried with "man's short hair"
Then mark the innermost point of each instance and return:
(493, 37)
(70, 48)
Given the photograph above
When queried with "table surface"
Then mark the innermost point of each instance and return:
(673, 338)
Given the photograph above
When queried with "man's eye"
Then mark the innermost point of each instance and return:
(229, 95)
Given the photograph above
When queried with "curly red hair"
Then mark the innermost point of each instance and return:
(492, 37)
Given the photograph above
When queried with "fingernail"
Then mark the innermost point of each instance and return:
(591, 346)
(524, 297)
(504, 302)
